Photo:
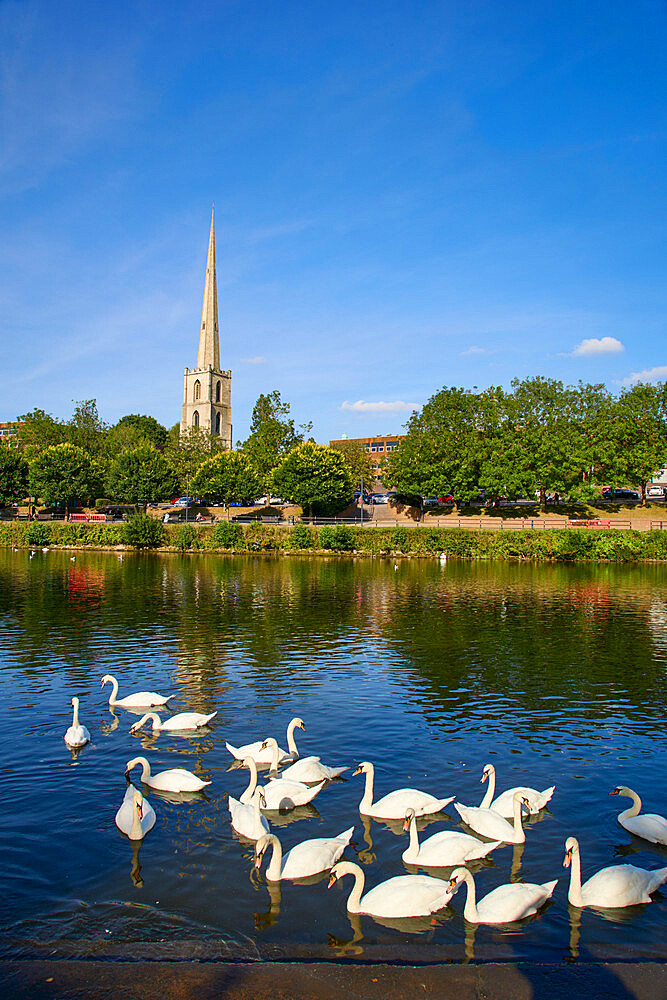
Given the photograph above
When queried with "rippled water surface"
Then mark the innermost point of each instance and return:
(554, 674)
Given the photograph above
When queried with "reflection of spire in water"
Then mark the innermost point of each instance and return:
(657, 623)
(349, 947)
(108, 727)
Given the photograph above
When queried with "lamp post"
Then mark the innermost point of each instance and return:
(187, 494)
(361, 501)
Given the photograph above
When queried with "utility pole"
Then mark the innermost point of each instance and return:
(361, 501)
(187, 494)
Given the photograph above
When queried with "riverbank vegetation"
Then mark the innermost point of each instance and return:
(575, 544)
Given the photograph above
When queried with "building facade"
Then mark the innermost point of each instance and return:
(9, 432)
(207, 389)
(378, 447)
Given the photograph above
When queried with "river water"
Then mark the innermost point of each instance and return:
(555, 674)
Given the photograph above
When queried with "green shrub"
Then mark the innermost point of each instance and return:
(327, 537)
(38, 533)
(185, 537)
(301, 537)
(102, 503)
(143, 532)
(399, 540)
(343, 538)
(226, 535)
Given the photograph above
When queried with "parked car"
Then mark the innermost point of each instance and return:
(367, 496)
(442, 501)
(379, 498)
(620, 495)
(185, 501)
(656, 492)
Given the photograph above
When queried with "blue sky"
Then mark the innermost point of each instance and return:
(407, 196)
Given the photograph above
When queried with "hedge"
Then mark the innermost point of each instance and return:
(562, 545)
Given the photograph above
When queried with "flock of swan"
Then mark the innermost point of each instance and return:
(294, 780)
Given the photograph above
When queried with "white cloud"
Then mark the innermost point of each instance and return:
(474, 350)
(398, 406)
(597, 345)
(259, 360)
(657, 374)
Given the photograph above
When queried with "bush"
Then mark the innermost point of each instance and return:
(37, 533)
(301, 537)
(343, 538)
(399, 540)
(186, 537)
(226, 535)
(143, 532)
(327, 537)
(103, 503)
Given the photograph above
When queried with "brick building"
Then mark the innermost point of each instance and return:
(378, 446)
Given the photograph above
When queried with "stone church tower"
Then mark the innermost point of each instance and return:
(207, 390)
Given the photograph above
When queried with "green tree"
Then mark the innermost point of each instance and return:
(141, 476)
(64, 473)
(441, 451)
(144, 427)
(40, 430)
(272, 433)
(315, 477)
(637, 435)
(225, 477)
(186, 452)
(358, 461)
(86, 429)
(13, 476)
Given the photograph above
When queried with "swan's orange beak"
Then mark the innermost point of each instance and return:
(406, 825)
(303, 726)
(483, 778)
(140, 810)
(331, 881)
(567, 859)
(452, 884)
(358, 771)
(614, 791)
(263, 746)
(258, 861)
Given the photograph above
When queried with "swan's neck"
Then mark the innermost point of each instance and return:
(114, 690)
(136, 833)
(634, 809)
(490, 790)
(354, 899)
(574, 894)
(518, 825)
(252, 784)
(145, 769)
(291, 742)
(275, 756)
(367, 799)
(470, 909)
(75, 714)
(414, 838)
(258, 814)
(275, 866)
(155, 719)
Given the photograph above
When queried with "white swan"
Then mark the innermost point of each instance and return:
(401, 896)
(306, 769)
(310, 857)
(492, 824)
(504, 804)
(77, 735)
(263, 757)
(141, 699)
(507, 903)
(616, 886)
(395, 804)
(246, 817)
(184, 720)
(450, 847)
(278, 793)
(650, 826)
(176, 779)
(136, 815)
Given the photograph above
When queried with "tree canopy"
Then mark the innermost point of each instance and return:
(272, 433)
(359, 462)
(64, 473)
(226, 477)
(315, 477)
(13, 476)
(141, 476)
(145, 427)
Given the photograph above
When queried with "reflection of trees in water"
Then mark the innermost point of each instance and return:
(468, 632)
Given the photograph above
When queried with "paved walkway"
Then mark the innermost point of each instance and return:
(95, 980)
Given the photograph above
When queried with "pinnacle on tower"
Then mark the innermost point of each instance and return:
(209, 343)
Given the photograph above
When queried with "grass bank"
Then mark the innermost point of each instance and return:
(574, 544)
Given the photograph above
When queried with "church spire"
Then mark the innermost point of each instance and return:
(209, 343)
